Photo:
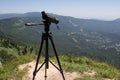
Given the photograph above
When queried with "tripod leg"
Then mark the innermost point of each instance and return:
(46, 55)
(45, 73)
(50, 37)
(46, 51)
(35, 71)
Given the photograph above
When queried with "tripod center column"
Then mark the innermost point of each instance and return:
(47, 26)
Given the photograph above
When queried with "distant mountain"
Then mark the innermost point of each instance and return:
(96, 39)
(4, 16)
(117, 20)
(11, 15)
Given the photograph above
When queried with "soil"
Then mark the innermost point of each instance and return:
(52, 73)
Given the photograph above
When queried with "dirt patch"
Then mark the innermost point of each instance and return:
(90, 73)
(109, 79)
(52, 73)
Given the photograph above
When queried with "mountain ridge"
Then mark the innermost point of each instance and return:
(38, 14)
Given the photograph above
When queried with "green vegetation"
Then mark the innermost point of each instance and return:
(5, 57)
(10, 69)
(102, 70)
(12, 54)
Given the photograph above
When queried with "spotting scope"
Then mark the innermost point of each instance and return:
(47, 18)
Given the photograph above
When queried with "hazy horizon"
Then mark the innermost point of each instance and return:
(87, 9)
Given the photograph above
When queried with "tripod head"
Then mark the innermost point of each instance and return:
(47, 22)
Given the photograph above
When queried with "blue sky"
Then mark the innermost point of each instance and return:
(96, 9)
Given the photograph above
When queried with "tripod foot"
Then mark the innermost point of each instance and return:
(45, 76)
(34, 74)
(33, 78)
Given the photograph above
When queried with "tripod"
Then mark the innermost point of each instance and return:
(45, 38)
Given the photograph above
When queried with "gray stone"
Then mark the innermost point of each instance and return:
(0, 64)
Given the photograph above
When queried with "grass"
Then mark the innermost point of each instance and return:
(10, 70)
(86, 77)
(84, 64)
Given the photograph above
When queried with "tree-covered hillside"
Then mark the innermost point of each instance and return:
(99, 40)
(10, 49)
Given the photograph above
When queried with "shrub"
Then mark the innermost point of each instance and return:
(5, 57)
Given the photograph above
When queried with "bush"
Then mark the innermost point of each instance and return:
(5, 57)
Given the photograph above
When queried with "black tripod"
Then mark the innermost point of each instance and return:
(46, 37)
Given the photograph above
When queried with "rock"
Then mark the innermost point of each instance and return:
(0, 64)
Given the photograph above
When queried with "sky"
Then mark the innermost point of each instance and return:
(87, 9)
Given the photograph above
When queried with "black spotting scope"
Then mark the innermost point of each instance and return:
(48, 18)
